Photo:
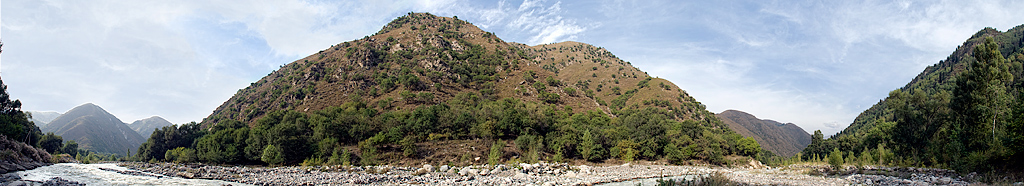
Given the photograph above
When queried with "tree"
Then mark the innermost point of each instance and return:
(71, 148)
(495, 157)
(836, 159)
(272, 155)
(51, 142)
(979, 98)
(13, 122)
(748, 146)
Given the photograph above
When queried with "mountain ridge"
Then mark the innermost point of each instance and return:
(784, 139)
(93, 128)
(146, 126)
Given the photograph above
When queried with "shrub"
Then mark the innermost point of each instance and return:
(835, 159)
(272, 155)
(495, 157)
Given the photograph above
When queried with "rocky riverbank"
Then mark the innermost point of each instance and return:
(18, 156)
(520, 174)
(15, 180)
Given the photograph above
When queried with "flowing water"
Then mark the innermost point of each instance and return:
(91, 174)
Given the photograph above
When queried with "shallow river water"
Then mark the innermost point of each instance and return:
(91, 174)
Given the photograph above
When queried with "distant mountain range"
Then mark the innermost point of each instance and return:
(145, 127)
(785, 139)
(95, 129)
(41, 118)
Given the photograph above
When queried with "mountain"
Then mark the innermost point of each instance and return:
(785, 139)
(95, 129)
(965, 112)
(41, 118)
(424, 80)
(445, 57)
(146, 126)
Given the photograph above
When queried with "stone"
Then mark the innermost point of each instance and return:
(430, 168)
(519, 175)
(443, 168)
(464, 171)
(484, 172)
(420, 171)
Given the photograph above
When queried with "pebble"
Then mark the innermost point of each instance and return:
(529, 174)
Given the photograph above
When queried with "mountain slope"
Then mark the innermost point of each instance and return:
(41, 118)
(425, 80)
(782, 139)
(422, 53)
(95, 129)
(965, 112)
(145, 127)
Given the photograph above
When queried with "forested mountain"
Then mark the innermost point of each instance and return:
(145, 127)
(41, 118)
(95, 129)
(784, 139)
(425, 80)
(965, 113)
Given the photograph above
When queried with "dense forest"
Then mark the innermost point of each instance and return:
(965, 113)
(425, 80)
(540, 131)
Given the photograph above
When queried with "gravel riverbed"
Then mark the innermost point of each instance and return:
(520, 174)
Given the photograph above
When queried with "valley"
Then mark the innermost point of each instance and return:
(435, 100)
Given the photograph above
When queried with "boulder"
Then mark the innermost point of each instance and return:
(443, 168)
(430, 168)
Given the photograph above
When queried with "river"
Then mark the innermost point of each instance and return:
(92, 174)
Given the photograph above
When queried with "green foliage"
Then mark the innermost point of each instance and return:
(50, 142)
(70, 148)
(494, 157)
(748, 147)
(835, 159)
(272, 155)
(14, 123)
(171, 137)
(181, 154)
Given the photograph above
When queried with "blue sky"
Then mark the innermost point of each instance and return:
(813, 63)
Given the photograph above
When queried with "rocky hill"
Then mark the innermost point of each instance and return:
(425, 83)
(41, 118)
(145, 127)
(95, 129)
(433, 59)
(785, 139)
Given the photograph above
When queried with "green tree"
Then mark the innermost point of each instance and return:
(748, 146)
(13, 122)
(71, 148)
(587, 146)
(494, 157)
(272, 155)
(979, 98)
(51, 142)
(836, 159)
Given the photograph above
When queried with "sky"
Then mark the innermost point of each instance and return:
(817, 64)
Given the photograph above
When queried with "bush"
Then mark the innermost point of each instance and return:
(495, 157)
(748, 146)
(272, 155)
(836, 159)
(181, 154)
